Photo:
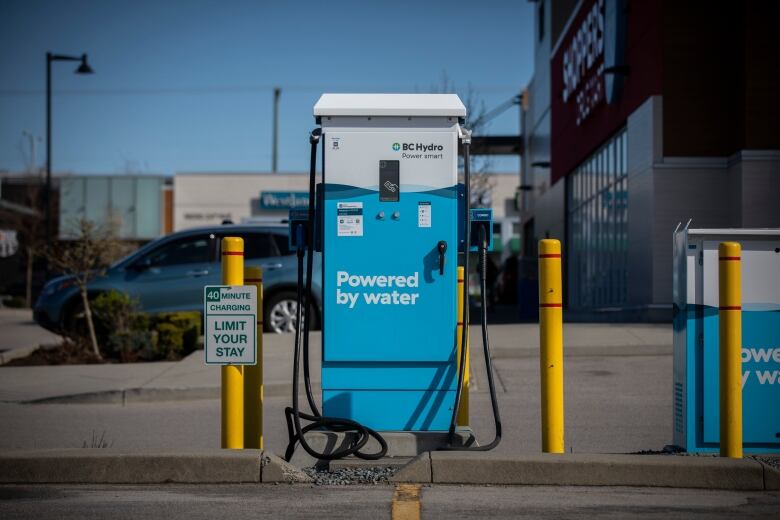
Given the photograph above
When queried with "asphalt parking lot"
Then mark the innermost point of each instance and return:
(434, 502)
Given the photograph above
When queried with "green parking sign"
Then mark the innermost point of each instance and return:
(230, 318)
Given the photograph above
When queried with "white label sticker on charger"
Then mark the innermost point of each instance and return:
(349, 217)
(423, 214)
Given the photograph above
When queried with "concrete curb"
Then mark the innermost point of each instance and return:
(109, 466)
(416, 471)
(771, 477)
(151, 395)
(132, 395)
(452, 467)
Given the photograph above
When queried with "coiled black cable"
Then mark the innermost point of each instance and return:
(293, 415)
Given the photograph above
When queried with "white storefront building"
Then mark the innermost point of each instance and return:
(210, 198)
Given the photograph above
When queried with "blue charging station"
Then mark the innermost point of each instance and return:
(696, 338)
(390, 183)
(390, 220)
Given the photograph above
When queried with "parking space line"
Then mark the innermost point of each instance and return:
(406, 502)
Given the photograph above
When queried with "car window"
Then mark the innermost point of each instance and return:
(282, 243)
(188, 250)
(258, 245)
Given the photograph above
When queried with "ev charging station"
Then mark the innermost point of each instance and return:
(696, 338)
(390, 219)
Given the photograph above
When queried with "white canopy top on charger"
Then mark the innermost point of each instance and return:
(410, 105)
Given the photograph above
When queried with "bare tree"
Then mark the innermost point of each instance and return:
(29, 221)
(33, 238)
(27, 218)
(482, 183)
(86, 258)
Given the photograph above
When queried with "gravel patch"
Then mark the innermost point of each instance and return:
(349, 476)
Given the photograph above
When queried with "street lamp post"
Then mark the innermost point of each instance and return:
(83, 68)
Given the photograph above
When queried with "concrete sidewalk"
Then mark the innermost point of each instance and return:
(169, 405)
(21, 335)
(191, 379)
(187, 379)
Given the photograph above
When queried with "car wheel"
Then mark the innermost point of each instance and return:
(280, 313)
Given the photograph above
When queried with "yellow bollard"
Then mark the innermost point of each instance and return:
(232, 375)
(551, 344)
(730, 339)
(253, 374)
(463, 411)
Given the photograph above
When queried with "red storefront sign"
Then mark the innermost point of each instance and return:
(601, 70)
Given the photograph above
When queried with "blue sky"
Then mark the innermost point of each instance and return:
(187, 85)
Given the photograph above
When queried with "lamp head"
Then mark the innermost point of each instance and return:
(84, 68)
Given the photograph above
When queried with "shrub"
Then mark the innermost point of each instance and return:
(190, 325)
(170, 341)
(126, 334)
(114, 312)
(129, 346)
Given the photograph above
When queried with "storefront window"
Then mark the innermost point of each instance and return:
(597, 223)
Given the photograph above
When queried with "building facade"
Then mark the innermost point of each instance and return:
(643, 115)
(210, 198)
(136, 205)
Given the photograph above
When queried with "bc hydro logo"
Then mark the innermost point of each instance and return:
(418, 147)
